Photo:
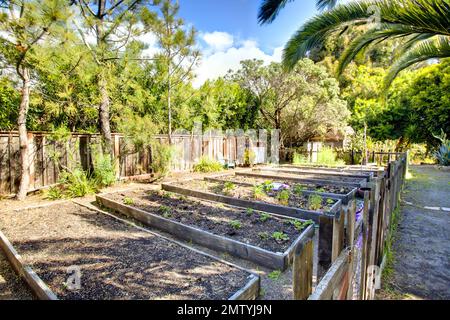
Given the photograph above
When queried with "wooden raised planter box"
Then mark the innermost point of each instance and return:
(333, 176)
(263, 257)
(345, 198)
(331, 223)
(335, 210)
(249, 290)
(273, 175)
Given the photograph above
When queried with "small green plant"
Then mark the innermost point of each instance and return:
(267, 186)
(54, 193)
(235, 224)
(280, 236)
(442, 155)
(228, 187)
(263, 217)
(263, 236)
(258, 192)
(330, 201)
(298, 189)
(315, 202)
(283, 197)
(165, 211)
(300, 225)
(321, 190)
(274, 275)
(128, 201)
(249, 212)
(206, 165)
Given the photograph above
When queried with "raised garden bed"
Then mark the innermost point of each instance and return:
(345, 193)
(271, 175)
(310, 174)
(117, 260)
(256, 236)
(280, 201)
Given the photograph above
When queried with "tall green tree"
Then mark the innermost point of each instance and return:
(24, 25)
(113, 24)
(423, 24)
(178, 54)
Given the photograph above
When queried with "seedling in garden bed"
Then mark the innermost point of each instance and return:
(321, 190)
(236, 224)
(264, 235)
(228, 187)
(267, 186)
(274, 275)
(283, 197)
(300, 225)
(249, 212)
(128, 201)
(263, 217)
(165, 211)
(330, 201)
(315, 202)
(298, 189)
(258, 192)
(280, 236)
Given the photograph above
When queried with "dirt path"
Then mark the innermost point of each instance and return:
(421, 269)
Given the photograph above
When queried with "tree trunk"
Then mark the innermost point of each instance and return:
(169, 104)
(104, 124)
(23, 136)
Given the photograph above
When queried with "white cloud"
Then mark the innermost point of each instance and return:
(218, 41)
(216, 62)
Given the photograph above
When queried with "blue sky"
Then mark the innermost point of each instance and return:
(228, 32)
(239, 18)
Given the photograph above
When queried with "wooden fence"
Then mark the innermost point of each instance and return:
(48, 156)
(381, 198)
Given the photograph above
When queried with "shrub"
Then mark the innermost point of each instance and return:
(77, 184)
(249, 157)
(104, 171)
(327, 156)
(162, 156)
(206, 165)
(442, 155)
(298, 158)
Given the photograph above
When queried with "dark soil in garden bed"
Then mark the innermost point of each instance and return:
(279, 197)
(292, 185)
(245, 225)
(116, 260)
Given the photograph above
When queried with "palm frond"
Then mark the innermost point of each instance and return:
(429, 49)
(423, 16)
(270, 9)
(412, 41)
(326, 4)
(381, 33)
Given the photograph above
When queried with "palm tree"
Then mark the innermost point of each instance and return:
(423, 24)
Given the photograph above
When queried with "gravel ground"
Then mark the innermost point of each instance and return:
(11, 286)
(113, 257)
(421, 269)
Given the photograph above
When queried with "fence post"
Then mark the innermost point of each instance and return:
(302, 270)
